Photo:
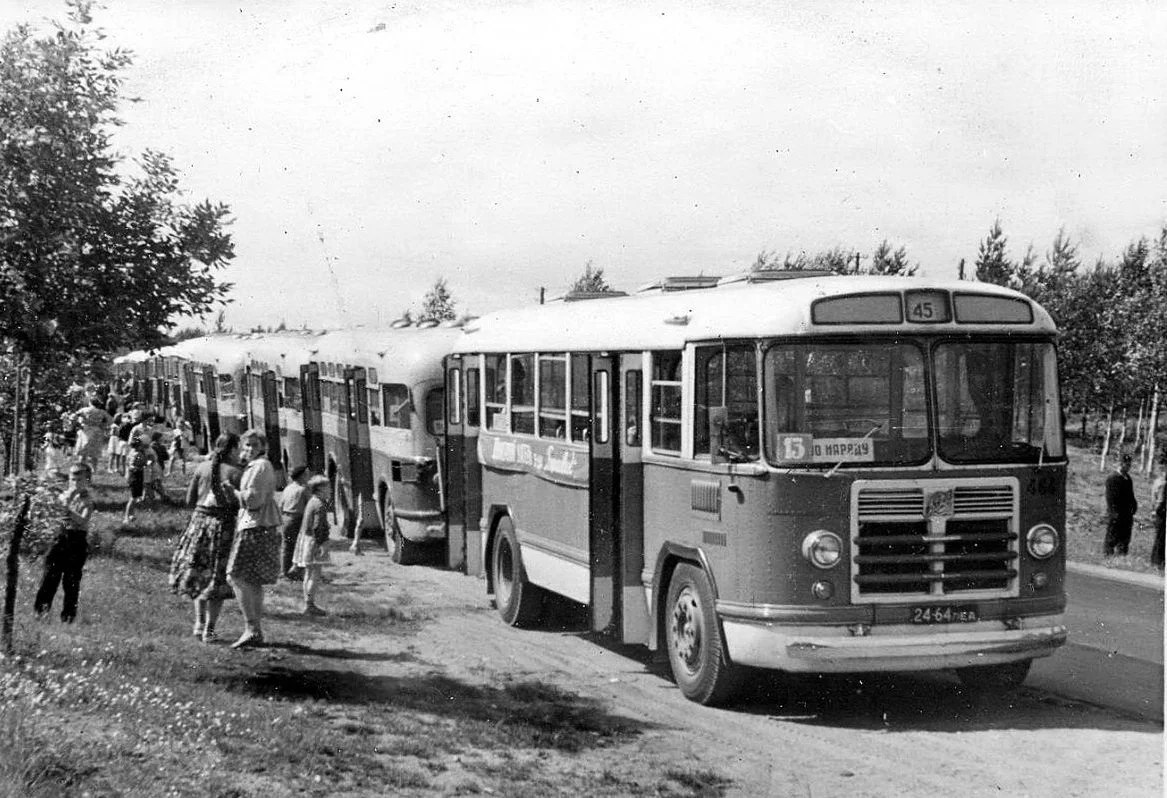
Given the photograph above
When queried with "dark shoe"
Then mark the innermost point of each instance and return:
(210, 635)
(248, 640)
(67, 618)
(313, 610)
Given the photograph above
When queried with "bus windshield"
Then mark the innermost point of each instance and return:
(830, 403)
(997, 402)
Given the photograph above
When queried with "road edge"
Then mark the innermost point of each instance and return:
(1152, 581)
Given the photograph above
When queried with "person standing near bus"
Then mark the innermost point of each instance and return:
(94, 423)
(1121, 507)
(312, 544)
(198, 569)
(1159, 507)
(66, 558)
(292, 501)
(255, 552)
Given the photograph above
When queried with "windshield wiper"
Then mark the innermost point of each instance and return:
(839, 464)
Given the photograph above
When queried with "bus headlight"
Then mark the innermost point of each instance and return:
(822, 548)
(1042, 541)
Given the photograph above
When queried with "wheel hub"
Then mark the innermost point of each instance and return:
(686, 622)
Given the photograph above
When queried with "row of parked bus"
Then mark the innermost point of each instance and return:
(797, 471)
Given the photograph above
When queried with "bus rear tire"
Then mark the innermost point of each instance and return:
(519, 602)
(1001, 678)
(697, 656)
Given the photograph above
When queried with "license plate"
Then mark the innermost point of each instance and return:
(943, 614)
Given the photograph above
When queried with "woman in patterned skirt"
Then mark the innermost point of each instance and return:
(255, 552)
(199, 567)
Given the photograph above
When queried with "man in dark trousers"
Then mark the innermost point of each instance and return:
(66, 558)
(1120, 508)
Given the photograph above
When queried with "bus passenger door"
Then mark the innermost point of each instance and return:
(191, 407)
(604, 496)
(635, 619)
(211, 391)
(271, 425)
(451, 464)
(360, 456)
(313, 423)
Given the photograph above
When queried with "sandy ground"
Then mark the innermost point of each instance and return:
(872, 735)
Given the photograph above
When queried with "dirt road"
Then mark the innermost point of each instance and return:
(875, 735)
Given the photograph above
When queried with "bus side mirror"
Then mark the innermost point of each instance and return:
(718, 420)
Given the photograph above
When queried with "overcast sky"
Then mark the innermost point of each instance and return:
(368, 148)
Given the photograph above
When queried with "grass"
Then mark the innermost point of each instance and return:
(126, 702)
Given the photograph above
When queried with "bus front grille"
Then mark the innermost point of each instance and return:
(899, 551)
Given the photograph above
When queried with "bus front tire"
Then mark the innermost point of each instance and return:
(994, 678)
(405, 551)
(519, 602)
(697, 656)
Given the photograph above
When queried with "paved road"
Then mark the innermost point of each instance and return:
(1115, 654)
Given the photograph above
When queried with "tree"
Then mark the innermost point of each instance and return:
(992, 264)
(93, 255)
(885, 260)
(438, 304)
(591, 282)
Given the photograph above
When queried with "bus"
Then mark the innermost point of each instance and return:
(786, 471)
(381, 407)
(214, 371)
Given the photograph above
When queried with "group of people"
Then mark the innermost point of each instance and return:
(241, 537)
(1121, 506)
(243, 533)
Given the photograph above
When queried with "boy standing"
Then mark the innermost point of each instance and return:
(67, 555)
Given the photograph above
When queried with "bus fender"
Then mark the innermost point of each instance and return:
(667, 559)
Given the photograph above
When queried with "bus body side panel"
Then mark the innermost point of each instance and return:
(635, 617)
(603, 498)
(313, 424)
(551, 523)
(453, 462)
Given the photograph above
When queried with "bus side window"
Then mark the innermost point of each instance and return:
(395, 404)
(472, 397)
(374, 407)
(454, 381)
(666, 402)
(522, 384)
(632, 408)
(495, 380)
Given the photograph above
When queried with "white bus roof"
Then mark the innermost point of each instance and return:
(740, 309)
(401, 355)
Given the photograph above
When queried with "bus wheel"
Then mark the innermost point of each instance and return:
(519, 602)
(696, 651)
(405, 551)
(994, 678)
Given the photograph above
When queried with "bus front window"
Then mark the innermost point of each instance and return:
(845, 403)
(997, 402)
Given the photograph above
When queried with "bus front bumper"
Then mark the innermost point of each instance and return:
(857, 648)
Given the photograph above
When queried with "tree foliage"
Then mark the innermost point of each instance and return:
(438, 303)
(591, 281)
(840, 260)
(112, 259)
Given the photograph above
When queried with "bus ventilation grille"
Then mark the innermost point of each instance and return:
(898, 552)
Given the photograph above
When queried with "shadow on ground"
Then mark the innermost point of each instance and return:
(527, 714)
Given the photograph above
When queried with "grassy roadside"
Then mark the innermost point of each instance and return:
(127, 703)
(1085, 515)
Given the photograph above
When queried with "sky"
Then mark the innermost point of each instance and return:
(367, 149)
